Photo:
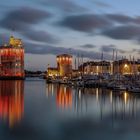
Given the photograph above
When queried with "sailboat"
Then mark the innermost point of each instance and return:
(134, 88)
(116, 84)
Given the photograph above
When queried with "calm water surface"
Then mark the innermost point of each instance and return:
(34, 110)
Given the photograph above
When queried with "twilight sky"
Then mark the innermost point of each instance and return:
(84, 27)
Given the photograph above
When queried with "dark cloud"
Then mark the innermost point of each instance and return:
(20, 19)
(128, 28)
(48, 49)
(88, 46)
(123, 32)
(116, 26)
(123, 19)
(85, 23)
(120, 18)
(40, 36)
(92, 22)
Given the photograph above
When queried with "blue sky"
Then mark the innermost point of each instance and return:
(84, 27)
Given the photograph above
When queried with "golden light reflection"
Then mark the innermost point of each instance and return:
(111, 96)
(126, 96)
(64, 97)
(11, 101)
(97, 94)
(50, 89)
(79, 93)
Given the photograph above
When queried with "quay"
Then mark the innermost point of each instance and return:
(120, 74)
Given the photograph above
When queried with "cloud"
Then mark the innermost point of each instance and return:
(123, 19)
(107, 24)
(21, 18)
(88, 46)
(94, 22)
(85, 23)
(137, 51)
(22, 21)
(108, 48)
(40, 36)
(64, 5)
(120, 18)
(101, 4)
(123, 32)
(111, 48)
(33, 48)
(4, 38)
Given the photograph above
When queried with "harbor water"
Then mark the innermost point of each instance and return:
(35, 110)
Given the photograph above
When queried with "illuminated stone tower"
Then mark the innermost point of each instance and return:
(12, 60)
(64, 64)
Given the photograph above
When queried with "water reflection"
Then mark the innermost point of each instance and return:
(50, 89)
(103, 102)
(64, 96)
(11, 101)
(96, 102)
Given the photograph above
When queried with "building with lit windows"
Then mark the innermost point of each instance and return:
(126, 67)
(53, 72)
(64, 64)
(12, 60)
(95, 68)
(64, 67)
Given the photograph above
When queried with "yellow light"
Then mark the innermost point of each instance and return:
(125, 65)
(125, 97)
(50, 74)
(111, 97)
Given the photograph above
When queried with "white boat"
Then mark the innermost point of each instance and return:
(119, 87)
(115, 85)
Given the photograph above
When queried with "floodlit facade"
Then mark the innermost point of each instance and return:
(53, 72)
(12, 60)
(64, 64)
(95, 68)
(63, 69)
(126, 67)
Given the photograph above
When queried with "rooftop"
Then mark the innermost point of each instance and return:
(64, 55)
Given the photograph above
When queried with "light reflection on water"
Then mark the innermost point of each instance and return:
(95, 102)
(60, 112)
(11, 101)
